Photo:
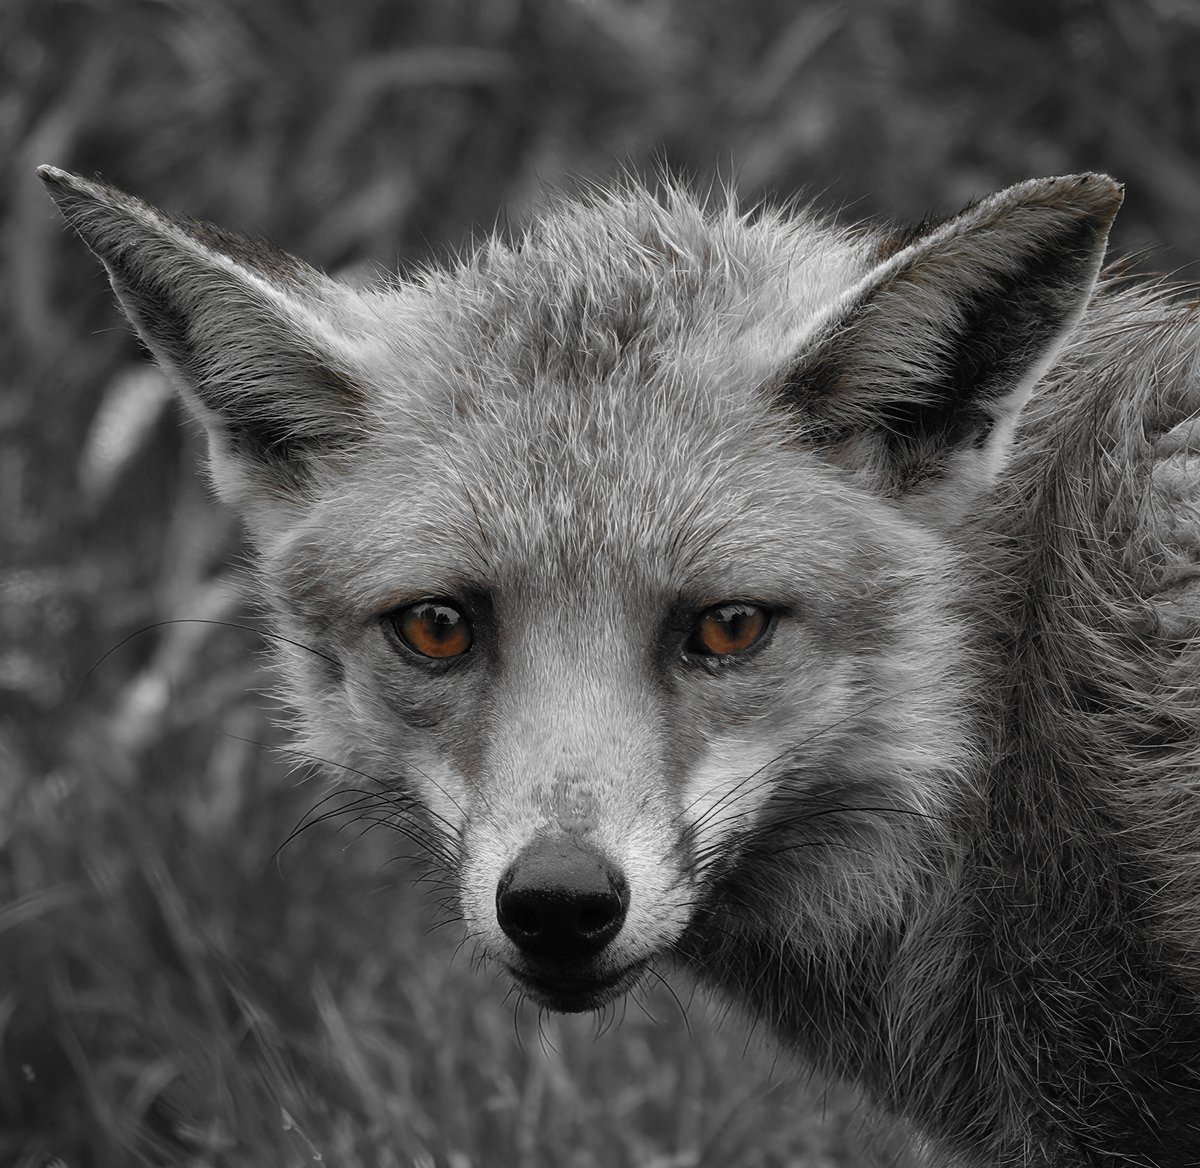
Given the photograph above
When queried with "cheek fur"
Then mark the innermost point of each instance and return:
(754, 732)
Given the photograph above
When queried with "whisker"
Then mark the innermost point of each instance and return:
(683, 1014)
(196, 620)
(361, 806)
(761, 779)
(318, 760)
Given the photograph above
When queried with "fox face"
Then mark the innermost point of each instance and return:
(598, 663)
(622, 558)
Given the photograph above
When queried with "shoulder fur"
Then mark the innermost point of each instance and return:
(1101, 509)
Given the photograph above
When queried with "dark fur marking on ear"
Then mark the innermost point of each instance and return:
(274, 439)
(150, 309)
(998, 338)
(899, 238)
(75, 195)
(336, 386)
(269, 438)
(272, 443)
(805, 388)
(260, 255)
(1019, 312)
(1000, 331)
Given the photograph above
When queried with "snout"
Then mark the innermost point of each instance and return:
(562, 904)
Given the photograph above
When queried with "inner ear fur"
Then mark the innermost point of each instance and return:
(246, 329)
(920, 370)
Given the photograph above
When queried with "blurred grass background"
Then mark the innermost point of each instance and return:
(171, 992)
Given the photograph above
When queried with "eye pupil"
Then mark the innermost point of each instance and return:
(433, 629)
(731, 628)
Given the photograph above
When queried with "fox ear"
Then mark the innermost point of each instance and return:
(248, 332)
(915, 378)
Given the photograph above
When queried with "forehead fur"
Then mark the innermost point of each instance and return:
(593, 383)
(630, 275)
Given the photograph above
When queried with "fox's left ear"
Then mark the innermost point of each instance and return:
(914, 379)
(250, 334)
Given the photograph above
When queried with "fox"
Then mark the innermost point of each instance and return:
(810, 607)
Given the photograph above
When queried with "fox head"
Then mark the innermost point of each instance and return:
(623, 556)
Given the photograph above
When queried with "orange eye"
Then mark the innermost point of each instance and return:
(728, 628)
(433, 629)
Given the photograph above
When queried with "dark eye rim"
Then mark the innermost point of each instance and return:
(698, 652)
(391, 622)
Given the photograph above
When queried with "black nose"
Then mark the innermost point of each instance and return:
(561, 900)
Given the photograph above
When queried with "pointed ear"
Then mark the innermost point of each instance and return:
(915, 378)
(248, 332)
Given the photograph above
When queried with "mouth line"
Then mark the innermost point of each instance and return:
(575, 995)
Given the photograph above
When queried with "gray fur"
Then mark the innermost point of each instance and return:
(941, 828)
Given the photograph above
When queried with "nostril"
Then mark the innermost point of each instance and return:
(518, 914)
(599, 915)
(561, 900)
(528, 913)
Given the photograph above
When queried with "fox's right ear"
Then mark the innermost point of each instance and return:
(248, 332)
